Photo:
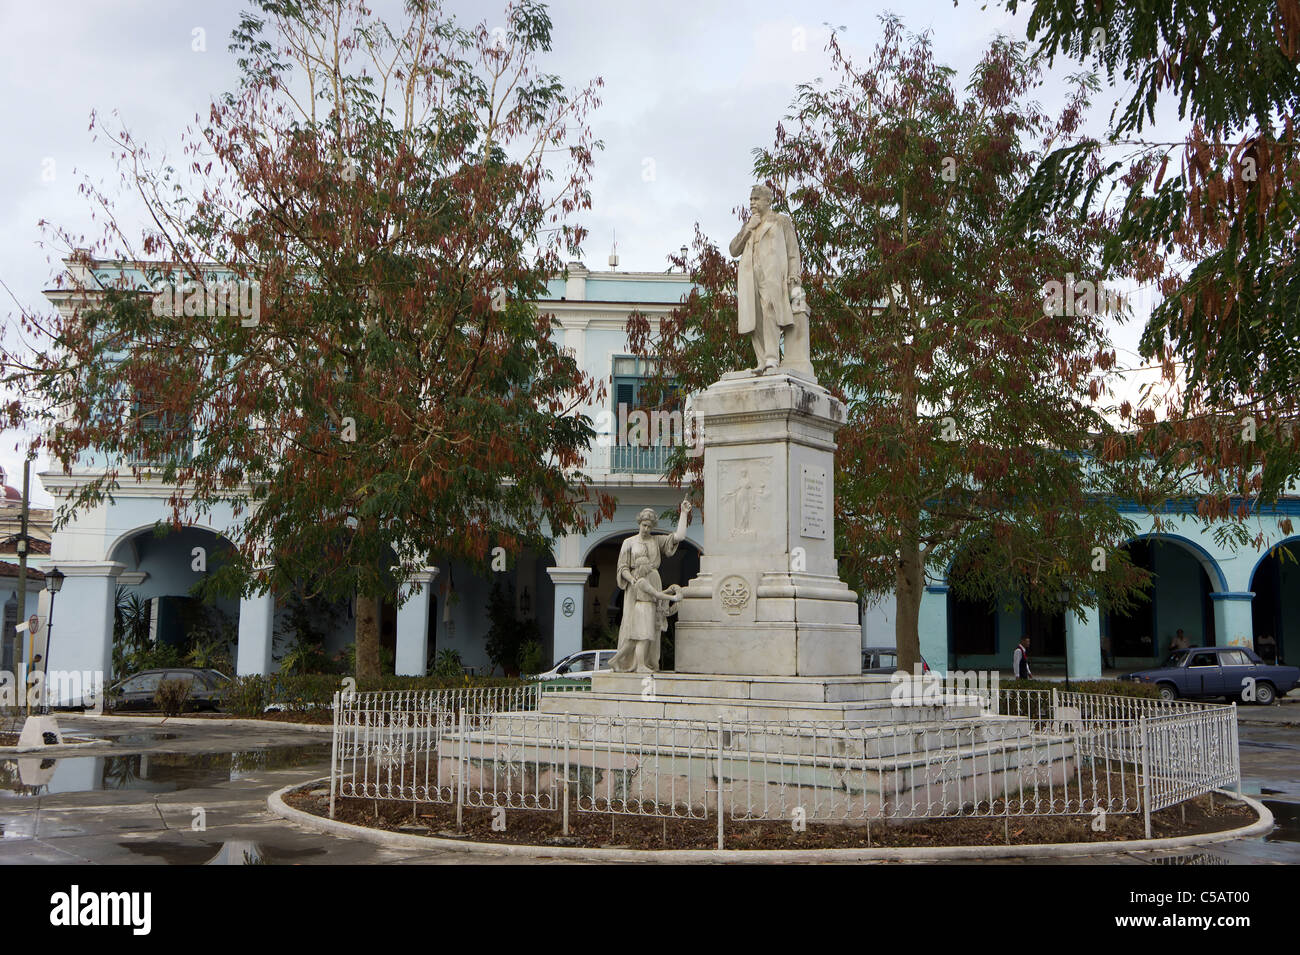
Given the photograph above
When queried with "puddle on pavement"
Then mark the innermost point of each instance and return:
(136, 739)
(1286, 815)
(232, 852)
(146, 772)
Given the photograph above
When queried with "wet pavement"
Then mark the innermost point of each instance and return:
(193, 794)
(174, 794)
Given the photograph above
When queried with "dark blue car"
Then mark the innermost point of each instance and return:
(1219, 671)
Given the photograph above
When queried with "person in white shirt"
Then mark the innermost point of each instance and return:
(1020, 660)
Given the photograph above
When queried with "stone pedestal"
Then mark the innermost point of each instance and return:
(768, 600)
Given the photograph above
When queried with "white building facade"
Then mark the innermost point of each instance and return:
(1215, 595)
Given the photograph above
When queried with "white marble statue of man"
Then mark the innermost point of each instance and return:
(638, 640)
(769, 293)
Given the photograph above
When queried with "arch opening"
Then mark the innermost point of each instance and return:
(162, 614)
(1178, 602)
(1275, 609)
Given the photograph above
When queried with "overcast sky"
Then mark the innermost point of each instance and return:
(690, 85)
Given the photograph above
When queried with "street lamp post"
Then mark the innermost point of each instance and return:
(53, 583)
(1064, 598)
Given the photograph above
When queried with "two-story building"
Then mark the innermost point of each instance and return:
(1211, 593)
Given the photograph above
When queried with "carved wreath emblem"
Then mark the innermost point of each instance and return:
(734, 593)
(568, 606)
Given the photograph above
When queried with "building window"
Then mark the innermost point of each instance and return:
(160, 436)
(644, 435)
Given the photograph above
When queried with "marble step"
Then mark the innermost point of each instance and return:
(937, 782)
(847, 689)
(711, 709)
(870, 741)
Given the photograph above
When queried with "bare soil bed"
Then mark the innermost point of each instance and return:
(597, 830)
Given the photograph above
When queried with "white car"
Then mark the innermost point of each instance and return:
(580, 665)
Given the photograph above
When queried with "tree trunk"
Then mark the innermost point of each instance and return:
(367, 638)
(907, 616)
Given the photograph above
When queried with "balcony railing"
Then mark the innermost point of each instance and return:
(182, 453)
(629, 459)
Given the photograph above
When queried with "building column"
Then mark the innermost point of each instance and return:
(82, 638)
(570, 586)
(413, 624)
(256, 629)
(933, 626)
(1083, 644)
(1233, 621)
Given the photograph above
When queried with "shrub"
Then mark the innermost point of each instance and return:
(246, 695)
(448, 664)
(213, 654)
(1102, 687)
(530, 657)
(250, 695)
(507, 634)
(597, 637)
(171, 696)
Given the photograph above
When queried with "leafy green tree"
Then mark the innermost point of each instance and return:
(388, 199)
(1207, 219)
(977, 402)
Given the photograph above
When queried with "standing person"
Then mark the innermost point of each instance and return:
(1180, 642)
(1266, 647)
(1106, 659)
(1020, 660)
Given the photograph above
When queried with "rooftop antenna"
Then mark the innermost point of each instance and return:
(613, 253)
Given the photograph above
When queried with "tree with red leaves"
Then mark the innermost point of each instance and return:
(384, 202)
(973, 357)
(1208, 219)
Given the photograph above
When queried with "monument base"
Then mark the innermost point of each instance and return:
(753, 747)
(802, 625)
(866, 698)
(768, 600)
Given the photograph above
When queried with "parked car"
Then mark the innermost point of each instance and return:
(579, 666)
(1218, 671)
(207, 687)
(884, 660)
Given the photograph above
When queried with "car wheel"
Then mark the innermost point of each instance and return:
(1264, 694)
(1168, 691)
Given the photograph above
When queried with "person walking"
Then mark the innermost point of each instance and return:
(1020, 660)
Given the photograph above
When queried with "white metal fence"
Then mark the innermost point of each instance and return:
(1066, 754)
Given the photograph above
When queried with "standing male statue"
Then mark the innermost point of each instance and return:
(769, 295)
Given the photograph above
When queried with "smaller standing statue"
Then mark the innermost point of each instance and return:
(647, 605)
(646, 609)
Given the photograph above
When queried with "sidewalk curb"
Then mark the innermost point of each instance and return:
(399, 840)
(193, 721)
(53, 751)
